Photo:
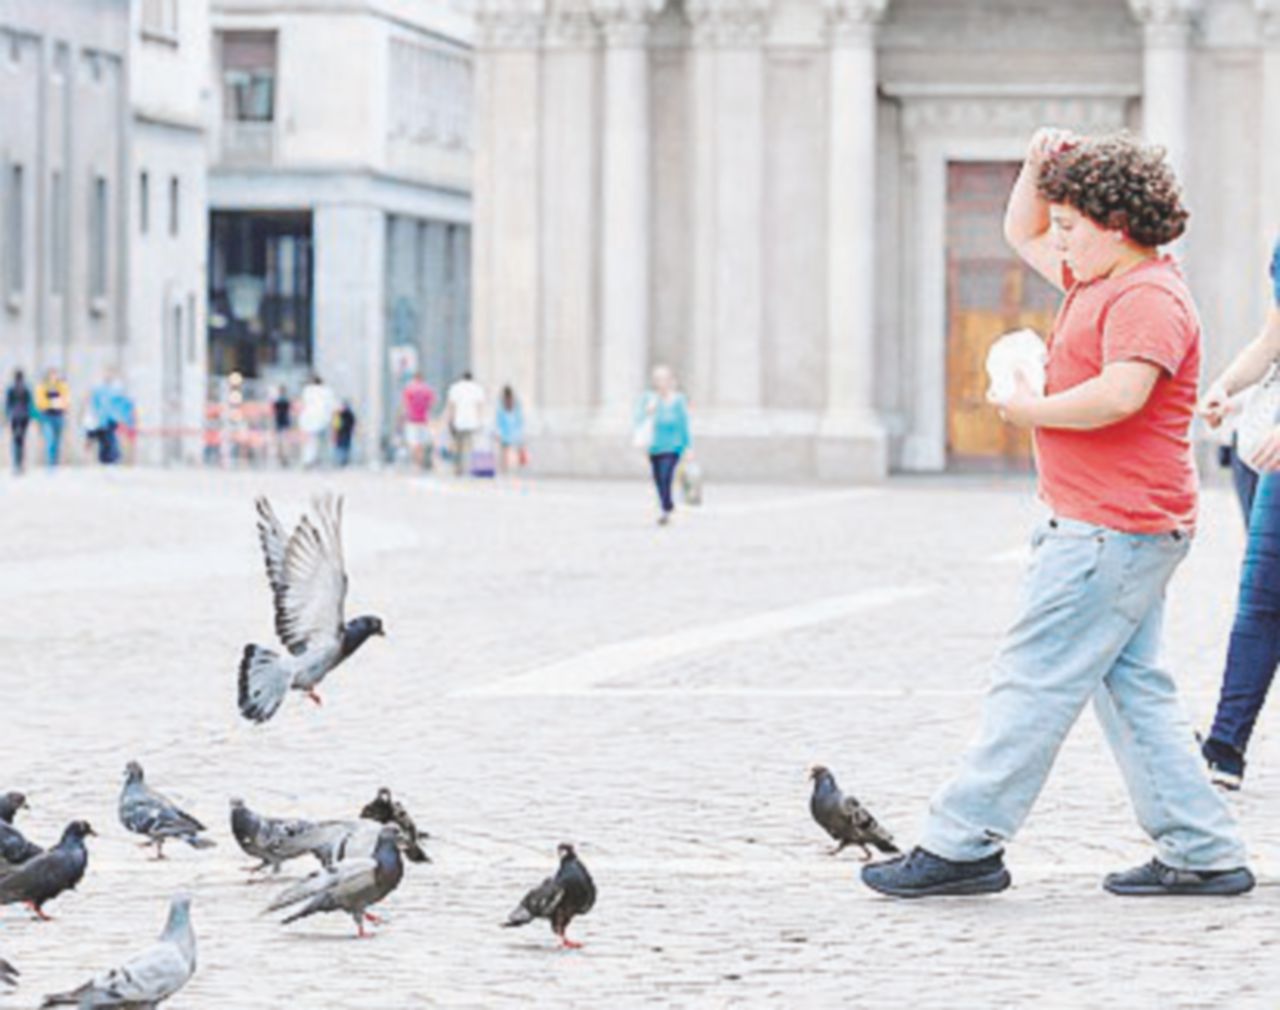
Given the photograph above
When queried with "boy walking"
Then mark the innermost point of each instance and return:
(1115, 468)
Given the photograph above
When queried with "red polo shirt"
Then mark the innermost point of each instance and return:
(1136, 475)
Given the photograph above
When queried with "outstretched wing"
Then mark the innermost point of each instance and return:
(306, 572)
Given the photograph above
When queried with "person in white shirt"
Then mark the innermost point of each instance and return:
(464, 412)
(314, 419)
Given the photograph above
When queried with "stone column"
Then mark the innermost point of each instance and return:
(625, 295)
(1166, 35)
(350, 330)
(569, 355)
(851, 443)
(1269, 146)
(728, 97)
(508, 266)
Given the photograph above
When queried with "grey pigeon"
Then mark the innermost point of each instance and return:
(147, 980)
(8, 973)
(309, 585)
(350, 885)
(275, 840)
(571, 892)
(43, 878)
(14, 847)
(843, 817)
(10, 803)
(144, 811)
(385, 810)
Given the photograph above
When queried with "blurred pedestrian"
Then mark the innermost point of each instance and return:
(509, 422)
(662, 430)
(464, 414)
(314, 420)
(53, 400)
(109, 409)
(416, 401)
(344, 427)
(1253, 651)
(18, 406)
(282, 421)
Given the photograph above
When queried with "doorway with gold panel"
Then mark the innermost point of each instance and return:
(989, 292)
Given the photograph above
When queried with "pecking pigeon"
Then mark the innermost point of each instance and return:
(843, 817)
(309, 584)
(8, 973)
(386, 810)
(147, 980)
(43, 878)
(275, 840)
(14, 847)
(571, 892)
(350, 885)
(147, 812)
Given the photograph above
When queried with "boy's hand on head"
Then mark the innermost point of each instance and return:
(1048, 141)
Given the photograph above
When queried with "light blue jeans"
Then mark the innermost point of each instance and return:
(1089, 628)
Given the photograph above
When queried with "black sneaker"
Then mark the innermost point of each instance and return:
(1155, 878)
(921, 874)
(1226, 764)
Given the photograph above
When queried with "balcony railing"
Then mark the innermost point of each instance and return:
(248, 143)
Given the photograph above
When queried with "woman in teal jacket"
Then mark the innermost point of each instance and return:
(663, 409)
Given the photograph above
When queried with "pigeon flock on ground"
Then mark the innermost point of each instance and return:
(361, 859)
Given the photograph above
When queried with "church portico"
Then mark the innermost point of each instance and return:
(795, 203)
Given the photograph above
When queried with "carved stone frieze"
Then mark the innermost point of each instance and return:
(509, 24)
(1165, 23)
(1009, 115)
(728, 23)
(853, 22)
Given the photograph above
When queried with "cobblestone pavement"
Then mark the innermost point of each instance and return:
(559, 668)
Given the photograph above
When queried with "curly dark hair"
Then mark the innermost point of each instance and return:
(1118, 182)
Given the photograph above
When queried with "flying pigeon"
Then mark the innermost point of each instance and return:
(275, 840)
(8, 973)
(309, 584)
(843, 817)
(350, 885)
(147, 812)
(43, 878)
(569, 893)
(14, 847)
(147, 980)
(386, 810)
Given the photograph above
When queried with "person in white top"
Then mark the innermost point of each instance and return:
(464, 412)
(314, 419)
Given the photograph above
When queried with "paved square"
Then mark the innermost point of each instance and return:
(559, 668)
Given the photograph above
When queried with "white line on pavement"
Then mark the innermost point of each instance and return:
(588, 670)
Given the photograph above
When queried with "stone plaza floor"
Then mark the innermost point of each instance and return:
(557, 667)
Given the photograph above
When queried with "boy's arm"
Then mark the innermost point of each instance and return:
(1120, 390)
(1026, 218)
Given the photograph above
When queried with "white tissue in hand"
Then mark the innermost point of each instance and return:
(1020, 351)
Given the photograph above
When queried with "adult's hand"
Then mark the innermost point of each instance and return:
(1267, 457)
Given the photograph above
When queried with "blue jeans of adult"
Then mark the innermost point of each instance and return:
(18, 433)
(663, 465)
(1093, 606)
(1254, 649)
(51, 425)
(1244, 479)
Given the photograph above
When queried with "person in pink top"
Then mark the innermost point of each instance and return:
(415, 409)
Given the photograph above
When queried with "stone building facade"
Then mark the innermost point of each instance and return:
(102, 203)
(796, 203)
(339, 195)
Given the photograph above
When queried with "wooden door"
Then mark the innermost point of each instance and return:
(989, 292)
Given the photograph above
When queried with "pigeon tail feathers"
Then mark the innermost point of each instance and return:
(264, 682)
